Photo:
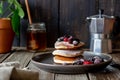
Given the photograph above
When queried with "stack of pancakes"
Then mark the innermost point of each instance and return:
(67, 52)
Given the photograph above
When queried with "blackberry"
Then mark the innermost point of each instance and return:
(78, 62)
(91, 59)
(70, 41)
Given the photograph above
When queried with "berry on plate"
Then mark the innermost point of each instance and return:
(87, 62)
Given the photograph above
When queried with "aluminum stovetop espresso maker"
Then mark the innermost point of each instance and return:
(100, 28)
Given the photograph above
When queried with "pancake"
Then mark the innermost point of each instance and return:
(67, 46)
(68, 53)
(68, 49)
(64, 60)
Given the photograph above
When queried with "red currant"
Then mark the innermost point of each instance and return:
(87, 62)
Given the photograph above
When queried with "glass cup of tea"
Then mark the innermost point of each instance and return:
(36, 37)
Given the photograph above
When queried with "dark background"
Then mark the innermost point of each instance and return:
(67, 17)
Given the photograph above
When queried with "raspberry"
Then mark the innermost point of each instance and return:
(65, 39)
(87, 62)
(70, 37)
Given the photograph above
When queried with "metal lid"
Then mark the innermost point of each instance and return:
(37, 26)
(100, 15)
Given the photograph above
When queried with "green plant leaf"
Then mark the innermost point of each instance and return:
(18, 7)
(10, 1)
(20, 10)
(15, 19)
(1, 7)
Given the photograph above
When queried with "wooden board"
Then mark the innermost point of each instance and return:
(42, 74)
(22, 56)
(108, 6)
(71, 77)
(42, 11)
(116, 7)
(3, 57)
(110, 73)
(65, 17)
(73, 14)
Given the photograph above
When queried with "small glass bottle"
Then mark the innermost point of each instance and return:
(36, 37)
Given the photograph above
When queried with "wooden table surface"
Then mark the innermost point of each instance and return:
(20, 54)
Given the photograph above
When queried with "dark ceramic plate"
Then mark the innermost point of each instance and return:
(45, 62)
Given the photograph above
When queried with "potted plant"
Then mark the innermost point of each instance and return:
(10, 14)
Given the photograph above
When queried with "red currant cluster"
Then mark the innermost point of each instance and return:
(93, 60)
(69, 39)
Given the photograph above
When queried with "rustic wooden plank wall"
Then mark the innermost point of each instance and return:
(73, 18)
(66, 17)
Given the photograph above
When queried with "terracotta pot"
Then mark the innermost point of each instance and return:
(6, 35)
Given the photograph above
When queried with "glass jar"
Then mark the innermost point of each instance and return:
(36, 37)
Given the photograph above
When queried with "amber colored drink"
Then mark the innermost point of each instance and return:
(36, 40)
